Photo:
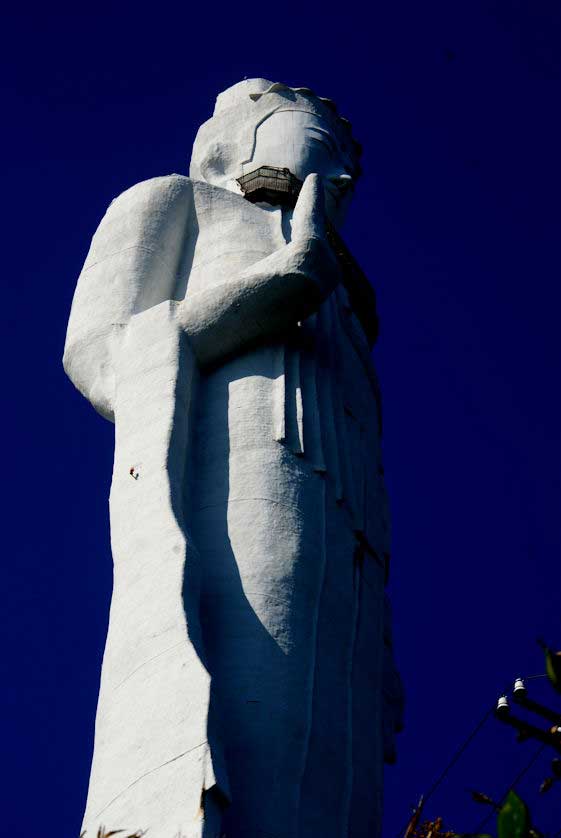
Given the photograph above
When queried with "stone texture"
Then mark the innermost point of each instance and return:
(248, 684)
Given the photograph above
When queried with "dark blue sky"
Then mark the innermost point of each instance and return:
(456, 222)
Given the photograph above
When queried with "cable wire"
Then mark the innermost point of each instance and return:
(514, 783)
(455, 757)
(458, 753)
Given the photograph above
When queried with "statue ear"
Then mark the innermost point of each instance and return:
(218, 163)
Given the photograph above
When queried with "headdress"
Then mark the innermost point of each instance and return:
(225, 143)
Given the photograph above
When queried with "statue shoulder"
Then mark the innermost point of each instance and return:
(154, 190)
(169, 196)
(162, 192)
(146, 210)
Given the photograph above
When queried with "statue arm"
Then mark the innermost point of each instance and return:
(262, 302)
(133, 264)
(271, 296)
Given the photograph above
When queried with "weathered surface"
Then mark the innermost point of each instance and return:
(248, 664)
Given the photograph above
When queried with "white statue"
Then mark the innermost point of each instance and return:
(247, 688)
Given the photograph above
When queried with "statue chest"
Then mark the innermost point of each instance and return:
(229, 235)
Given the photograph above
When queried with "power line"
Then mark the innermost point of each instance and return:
(525, 678)
(514, 783)
(458, 753)
(456, 756)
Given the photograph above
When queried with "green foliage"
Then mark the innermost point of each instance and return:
(552, 665)
(553, 668)
(513, 820)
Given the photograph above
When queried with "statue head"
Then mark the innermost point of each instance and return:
(258, 123)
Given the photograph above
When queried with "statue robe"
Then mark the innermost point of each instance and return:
(246, 660)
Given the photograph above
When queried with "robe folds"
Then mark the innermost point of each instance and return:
(247, 686)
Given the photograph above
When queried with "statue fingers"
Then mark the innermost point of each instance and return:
(308, 220)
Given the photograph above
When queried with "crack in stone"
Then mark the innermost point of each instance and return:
(147, 773)
(144, 663)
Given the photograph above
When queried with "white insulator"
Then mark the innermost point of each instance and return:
(503, 706)
(519, 687)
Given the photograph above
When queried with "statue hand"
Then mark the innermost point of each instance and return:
(309, 236)
(267, 299)
(309, 220)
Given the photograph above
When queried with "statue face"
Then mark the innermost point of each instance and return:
(304, 143)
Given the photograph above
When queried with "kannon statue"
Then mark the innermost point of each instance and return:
(248, 686)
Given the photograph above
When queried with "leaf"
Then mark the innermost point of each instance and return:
(553, 668)
(513, 820)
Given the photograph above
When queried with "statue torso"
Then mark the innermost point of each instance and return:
(229, 235)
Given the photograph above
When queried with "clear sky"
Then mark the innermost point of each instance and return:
(456, 222)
